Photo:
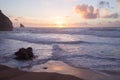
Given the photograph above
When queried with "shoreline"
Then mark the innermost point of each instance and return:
(56, 70)
(7, 73)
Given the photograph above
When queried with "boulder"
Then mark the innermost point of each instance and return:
(5, 23)
(24, 54)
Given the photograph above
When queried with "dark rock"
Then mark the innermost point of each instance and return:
(29, 51)
(5, 23)
(24, 54)
(22, 26)
(45, 67)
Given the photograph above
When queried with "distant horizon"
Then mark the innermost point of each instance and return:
(67, 27)
(62, 13)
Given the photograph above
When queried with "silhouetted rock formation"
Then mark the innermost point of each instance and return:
(22, 26)
(24, 54)
(5, 23)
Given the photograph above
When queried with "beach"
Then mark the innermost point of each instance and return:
(59, 39)
(53, 71)
(7, 73)
(83, 53)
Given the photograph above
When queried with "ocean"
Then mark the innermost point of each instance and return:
(93, 48)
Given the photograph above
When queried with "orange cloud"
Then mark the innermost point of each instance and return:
(87, 12)
(105, 11)
(107, 14)
(118, 2)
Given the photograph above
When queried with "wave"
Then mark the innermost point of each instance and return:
(106, 67)
(61, 38)
(46, 41)
(105, 29)
(91, 57)
(100, 32)
(58, 51)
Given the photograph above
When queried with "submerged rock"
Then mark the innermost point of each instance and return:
(24, 54)
(5, 23)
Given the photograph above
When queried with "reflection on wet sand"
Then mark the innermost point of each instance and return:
(61, 67)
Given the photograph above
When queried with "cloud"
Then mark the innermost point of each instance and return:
(87, 12)
(16, 19)
(114, 15)
(108, 14)
(28, 21)
(104, 4)
(118, 2)
(105, 11)
(110, 24)
(70, 0)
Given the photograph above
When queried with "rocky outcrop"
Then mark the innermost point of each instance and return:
(5, 23)
(24, 54)
(22, 26)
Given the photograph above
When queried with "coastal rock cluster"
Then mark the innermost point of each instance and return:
(24, 54)
(5, 23)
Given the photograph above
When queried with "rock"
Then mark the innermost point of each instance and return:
(22, 26)
(5, 23)
(45, 67)
(29, 51)
(24, 54)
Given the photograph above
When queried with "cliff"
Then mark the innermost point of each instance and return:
(5, 23)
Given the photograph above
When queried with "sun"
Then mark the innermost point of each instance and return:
(60, 24)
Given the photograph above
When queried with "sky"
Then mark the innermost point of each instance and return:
(62, 13)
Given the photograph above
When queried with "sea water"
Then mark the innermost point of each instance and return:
(94, 48)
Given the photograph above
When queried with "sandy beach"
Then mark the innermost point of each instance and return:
(7, 73)
(55, 70)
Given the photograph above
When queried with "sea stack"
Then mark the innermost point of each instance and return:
(22, 26)
(5, 23)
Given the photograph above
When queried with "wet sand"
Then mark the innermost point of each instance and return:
(55, 70)
(7, 73)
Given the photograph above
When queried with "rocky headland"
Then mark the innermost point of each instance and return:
(5, 23)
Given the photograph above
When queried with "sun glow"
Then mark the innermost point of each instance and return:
(59, 22)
